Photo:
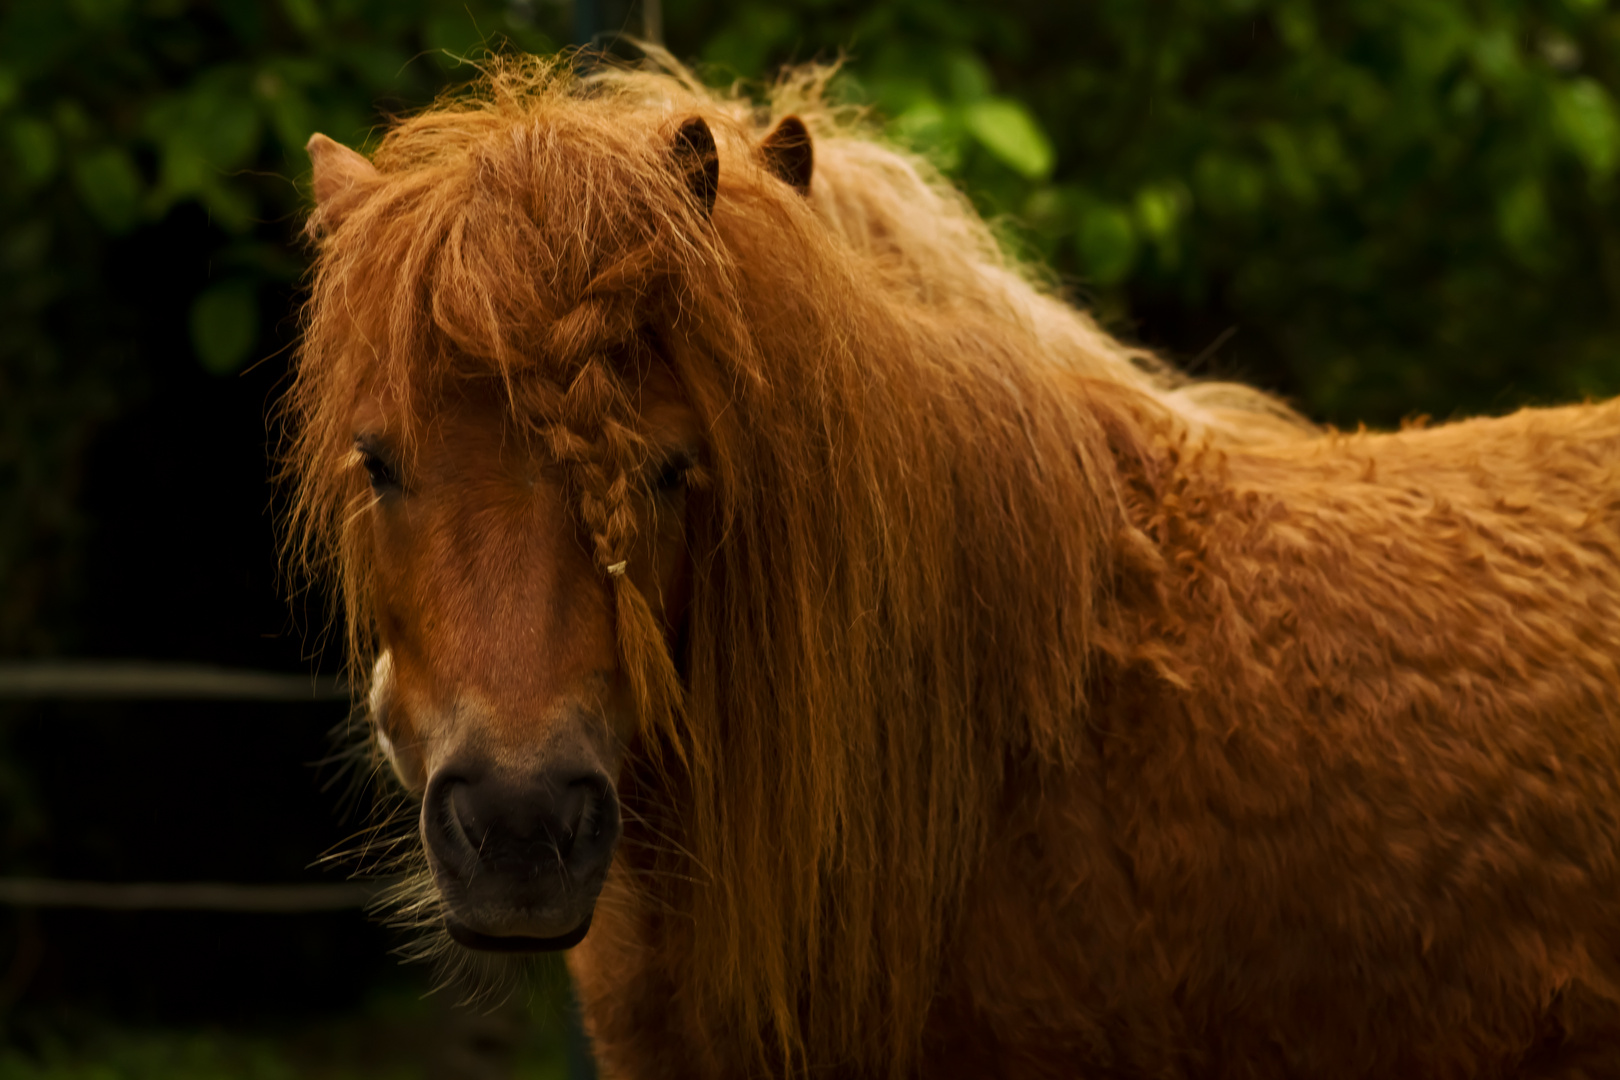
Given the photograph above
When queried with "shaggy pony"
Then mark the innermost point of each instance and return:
(1034, 711)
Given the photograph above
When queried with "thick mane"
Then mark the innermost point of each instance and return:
(902, 554)
(925, 238)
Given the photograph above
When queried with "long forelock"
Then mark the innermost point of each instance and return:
(510, 234)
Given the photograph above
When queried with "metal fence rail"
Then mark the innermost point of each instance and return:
(186, 896)
(128, 680)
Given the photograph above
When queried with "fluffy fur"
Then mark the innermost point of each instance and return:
(1037, 713)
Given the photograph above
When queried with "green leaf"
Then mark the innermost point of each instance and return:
(304, 14)
(1296, 24)
(1047, 209)
(1496, 57)
(895, 95)
(1523, 222)
(220, 121)
(1106, 242)
(1159, 210)
(205, 133)
(1432, 37)
(72, 121)
(109, 185)
(1584, 116)
(921, 123)
(1288, 162)
(224, 325)
(1006, 129)
(967, 77)
(10, 87)
(33, 145)
(932, 130)
(1227, 185)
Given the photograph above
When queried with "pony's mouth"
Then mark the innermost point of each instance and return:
(515, 943)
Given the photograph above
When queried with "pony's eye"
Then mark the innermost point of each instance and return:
(381, 473)
(378, 468)
(671, 476)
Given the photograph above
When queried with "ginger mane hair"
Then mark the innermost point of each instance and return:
(902, 550)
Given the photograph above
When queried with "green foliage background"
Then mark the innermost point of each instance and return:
(1377, 207)
(1400, 206)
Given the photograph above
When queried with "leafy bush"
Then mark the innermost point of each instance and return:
(1400, 207)
(1376, 208)
(117, 115)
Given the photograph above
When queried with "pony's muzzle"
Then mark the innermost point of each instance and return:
(519, 860)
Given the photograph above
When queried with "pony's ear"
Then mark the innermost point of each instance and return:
(699, 162)
(341, 179)
(789, 154)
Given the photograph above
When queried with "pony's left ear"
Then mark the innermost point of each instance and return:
(789, 154)
(342, 178)
(699, 162)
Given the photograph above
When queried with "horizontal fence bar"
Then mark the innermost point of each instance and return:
(184, 896)
(128, 680)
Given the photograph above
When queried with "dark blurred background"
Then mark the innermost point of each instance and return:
(1378, 209)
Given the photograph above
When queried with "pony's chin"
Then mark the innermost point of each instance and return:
(515, 943)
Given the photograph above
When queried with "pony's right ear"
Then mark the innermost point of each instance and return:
(341, 179)
(699, 162)
(789, 154)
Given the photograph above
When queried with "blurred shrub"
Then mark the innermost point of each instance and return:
(1378, 208)
(1402, 207)
(116, 114)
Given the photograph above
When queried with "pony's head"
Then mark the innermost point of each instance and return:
(495, 441)
(514, 459)
(498, 695)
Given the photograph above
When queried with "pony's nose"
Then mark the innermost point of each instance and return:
(521, 831)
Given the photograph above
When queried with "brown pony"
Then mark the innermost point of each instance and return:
(871, 668)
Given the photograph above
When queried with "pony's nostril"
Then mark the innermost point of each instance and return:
(444, 823)
(463, 819)
(579, 813)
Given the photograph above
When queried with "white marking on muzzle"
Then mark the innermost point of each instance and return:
(379, 701)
